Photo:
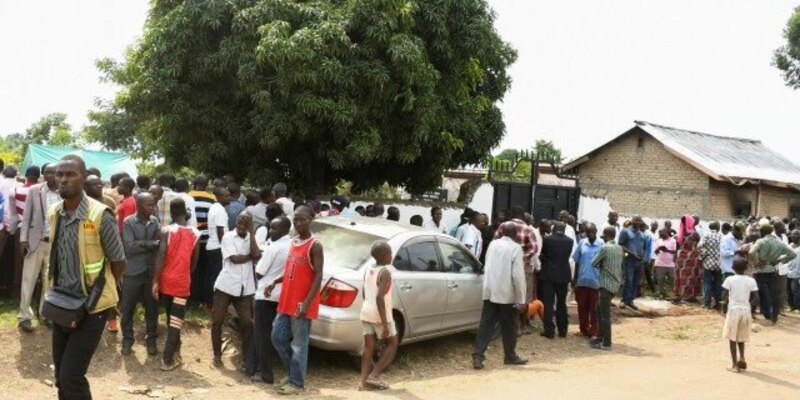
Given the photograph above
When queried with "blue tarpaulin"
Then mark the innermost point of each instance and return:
(107, 162)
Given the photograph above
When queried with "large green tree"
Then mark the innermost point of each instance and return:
(369, 91)
(787, 57)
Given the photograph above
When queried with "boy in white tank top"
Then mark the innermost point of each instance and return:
(377, 319)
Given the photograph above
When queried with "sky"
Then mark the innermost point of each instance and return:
(586, 69)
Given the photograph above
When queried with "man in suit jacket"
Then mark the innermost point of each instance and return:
(555, 279)
(35, 231)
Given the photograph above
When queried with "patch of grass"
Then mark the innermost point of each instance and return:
(8, 313)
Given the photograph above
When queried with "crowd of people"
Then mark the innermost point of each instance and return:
(168, 243)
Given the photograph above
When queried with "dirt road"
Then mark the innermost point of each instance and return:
(664, 358)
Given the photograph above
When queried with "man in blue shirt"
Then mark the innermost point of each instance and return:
(586, 282)
(235, 207)
(633, 243)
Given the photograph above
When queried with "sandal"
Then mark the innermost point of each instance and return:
(741, 365)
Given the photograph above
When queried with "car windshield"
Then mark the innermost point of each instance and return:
(344, 248)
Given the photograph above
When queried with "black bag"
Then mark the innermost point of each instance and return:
(67, 308)
(63, 307)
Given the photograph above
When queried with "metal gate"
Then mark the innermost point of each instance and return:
(542, 201)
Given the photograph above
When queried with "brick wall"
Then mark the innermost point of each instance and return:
(645, 180)
(775, 201)
(650, 181)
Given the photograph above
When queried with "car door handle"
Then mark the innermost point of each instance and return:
(406, 287)
(452, 285)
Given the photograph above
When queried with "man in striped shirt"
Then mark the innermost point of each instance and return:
(203, 200)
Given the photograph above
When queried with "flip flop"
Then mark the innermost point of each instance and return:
(378, 384)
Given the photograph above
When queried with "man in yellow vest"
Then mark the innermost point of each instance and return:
(85, 243)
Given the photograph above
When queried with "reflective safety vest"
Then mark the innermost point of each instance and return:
(90, 252)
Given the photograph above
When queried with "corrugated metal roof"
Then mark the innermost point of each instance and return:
(730, 158)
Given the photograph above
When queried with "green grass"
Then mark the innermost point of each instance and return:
(8, 313)
(10, 308)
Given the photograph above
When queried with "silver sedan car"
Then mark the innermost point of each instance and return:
(437, 282)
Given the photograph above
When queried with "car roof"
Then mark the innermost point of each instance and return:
(380, 227)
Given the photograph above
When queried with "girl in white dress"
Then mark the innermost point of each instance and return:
(739, 319)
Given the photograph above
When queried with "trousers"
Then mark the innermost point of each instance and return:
(34, 267)
(72, 353)
(491, 315)
(555, 296)
(587, 310)
(138, 289)
(769, 294)
(244, 310)
(604, 316)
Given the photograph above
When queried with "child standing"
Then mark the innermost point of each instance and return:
(377, 319)
(172, 279)
(741, 288)
(665, 249)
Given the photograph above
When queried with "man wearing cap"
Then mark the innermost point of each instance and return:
(342, 206)
(765, 256)
(35, 241)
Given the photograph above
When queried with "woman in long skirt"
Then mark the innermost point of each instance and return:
(688, 271)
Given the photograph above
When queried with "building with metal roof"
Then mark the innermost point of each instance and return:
(667, 172)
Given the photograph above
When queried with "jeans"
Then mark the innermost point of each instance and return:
(795, 297)
(555, 294)
(493, 313)
(769, 294)
(664, 275)
(244, 310)
(633, 273)
(138, 289)
(712, 286)
(604, 316)
(176, 312)
(72, 353)
(265, 312)
(587, 310)
(290, 336)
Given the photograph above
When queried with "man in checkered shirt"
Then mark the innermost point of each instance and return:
(526, 237)
(712, 264)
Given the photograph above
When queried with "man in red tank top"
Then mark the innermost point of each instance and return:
(299, 301)
(172, 279)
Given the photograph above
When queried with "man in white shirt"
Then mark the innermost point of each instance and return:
(281, 193)
(503, 296)
(470, 234)
(217, 227)
(235, 284)
(269, 269)
(435, 223)
(182, 190)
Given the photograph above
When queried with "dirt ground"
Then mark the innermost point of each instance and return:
(675, 357)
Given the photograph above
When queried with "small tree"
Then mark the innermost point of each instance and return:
(546, 150)
(787, 57)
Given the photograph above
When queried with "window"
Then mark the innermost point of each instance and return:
(742, 209)
(418, 257)
(641, 142)
(343, 247)
(456, 259)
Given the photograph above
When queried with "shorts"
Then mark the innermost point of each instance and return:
(377, 329)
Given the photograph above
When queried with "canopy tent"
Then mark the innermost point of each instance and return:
(107, 162)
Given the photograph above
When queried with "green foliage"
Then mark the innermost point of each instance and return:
(153, 169)
(509, 155)
(546, 150)
(787, 57)
(311, 92)
(51, 129)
